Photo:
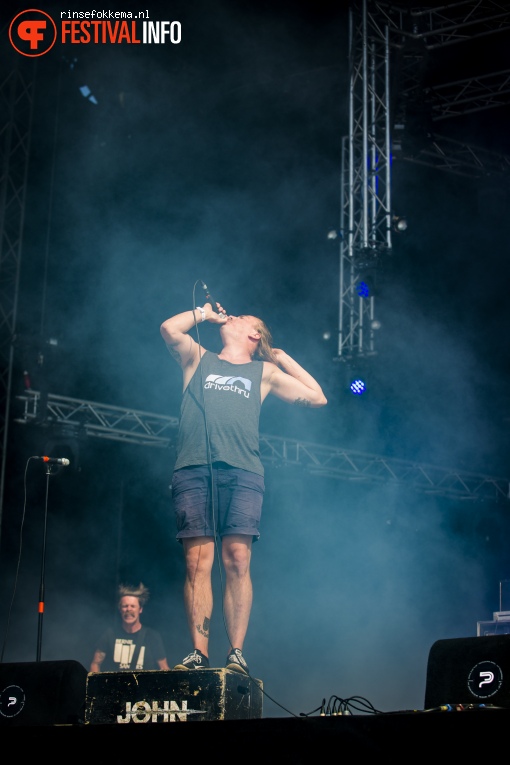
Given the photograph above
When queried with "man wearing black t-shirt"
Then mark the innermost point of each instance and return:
(131, 646)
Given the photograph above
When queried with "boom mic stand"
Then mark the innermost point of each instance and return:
(43, 567)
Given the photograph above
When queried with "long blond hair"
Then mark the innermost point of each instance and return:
(265, 346)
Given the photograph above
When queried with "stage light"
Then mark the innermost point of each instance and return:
(363, 289)
(399, 223)
(87, 93)
(358, 387)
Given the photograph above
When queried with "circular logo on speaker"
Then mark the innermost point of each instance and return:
(12, 701)
(485, 679)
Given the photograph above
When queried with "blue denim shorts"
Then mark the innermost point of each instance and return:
(237, 505)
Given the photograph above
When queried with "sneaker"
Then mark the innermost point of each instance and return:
(236, 662)
(194, 660)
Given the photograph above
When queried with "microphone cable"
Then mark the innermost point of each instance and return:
(209, 458)
(18, 563)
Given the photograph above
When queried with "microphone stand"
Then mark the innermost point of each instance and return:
(43, 566)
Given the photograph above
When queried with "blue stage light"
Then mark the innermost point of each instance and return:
(363, 289)
(358, 387)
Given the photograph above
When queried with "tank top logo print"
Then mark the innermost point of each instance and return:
(228, 383)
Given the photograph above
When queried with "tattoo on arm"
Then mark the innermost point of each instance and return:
(204, 629)
(302, 402)
(174, 354)
(179, 357)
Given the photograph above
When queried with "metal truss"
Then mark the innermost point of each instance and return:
(475, 94)
(365, 224)
(16, 99)
(88, 418)
(389, 116)
(446, 25)
(459, 158)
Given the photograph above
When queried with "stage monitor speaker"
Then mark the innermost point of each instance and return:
(42, 693)
(469, 671)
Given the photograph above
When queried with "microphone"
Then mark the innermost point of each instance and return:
(208, 297)
(54, 460)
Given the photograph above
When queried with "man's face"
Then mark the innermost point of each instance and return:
(130, 610)
(241, 326)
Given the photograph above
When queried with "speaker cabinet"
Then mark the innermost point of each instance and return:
(42, 693)
(469, 671)
(166, 696)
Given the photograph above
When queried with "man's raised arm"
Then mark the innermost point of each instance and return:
(175, 333)
(294, 384)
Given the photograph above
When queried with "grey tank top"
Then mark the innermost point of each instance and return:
(229, 394)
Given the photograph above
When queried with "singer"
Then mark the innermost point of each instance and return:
(218, 478)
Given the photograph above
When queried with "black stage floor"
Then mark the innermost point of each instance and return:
(430, 737)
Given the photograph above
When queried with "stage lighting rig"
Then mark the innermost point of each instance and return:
(399, 223)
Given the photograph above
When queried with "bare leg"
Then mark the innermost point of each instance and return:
(198, 597)
(236, 553)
